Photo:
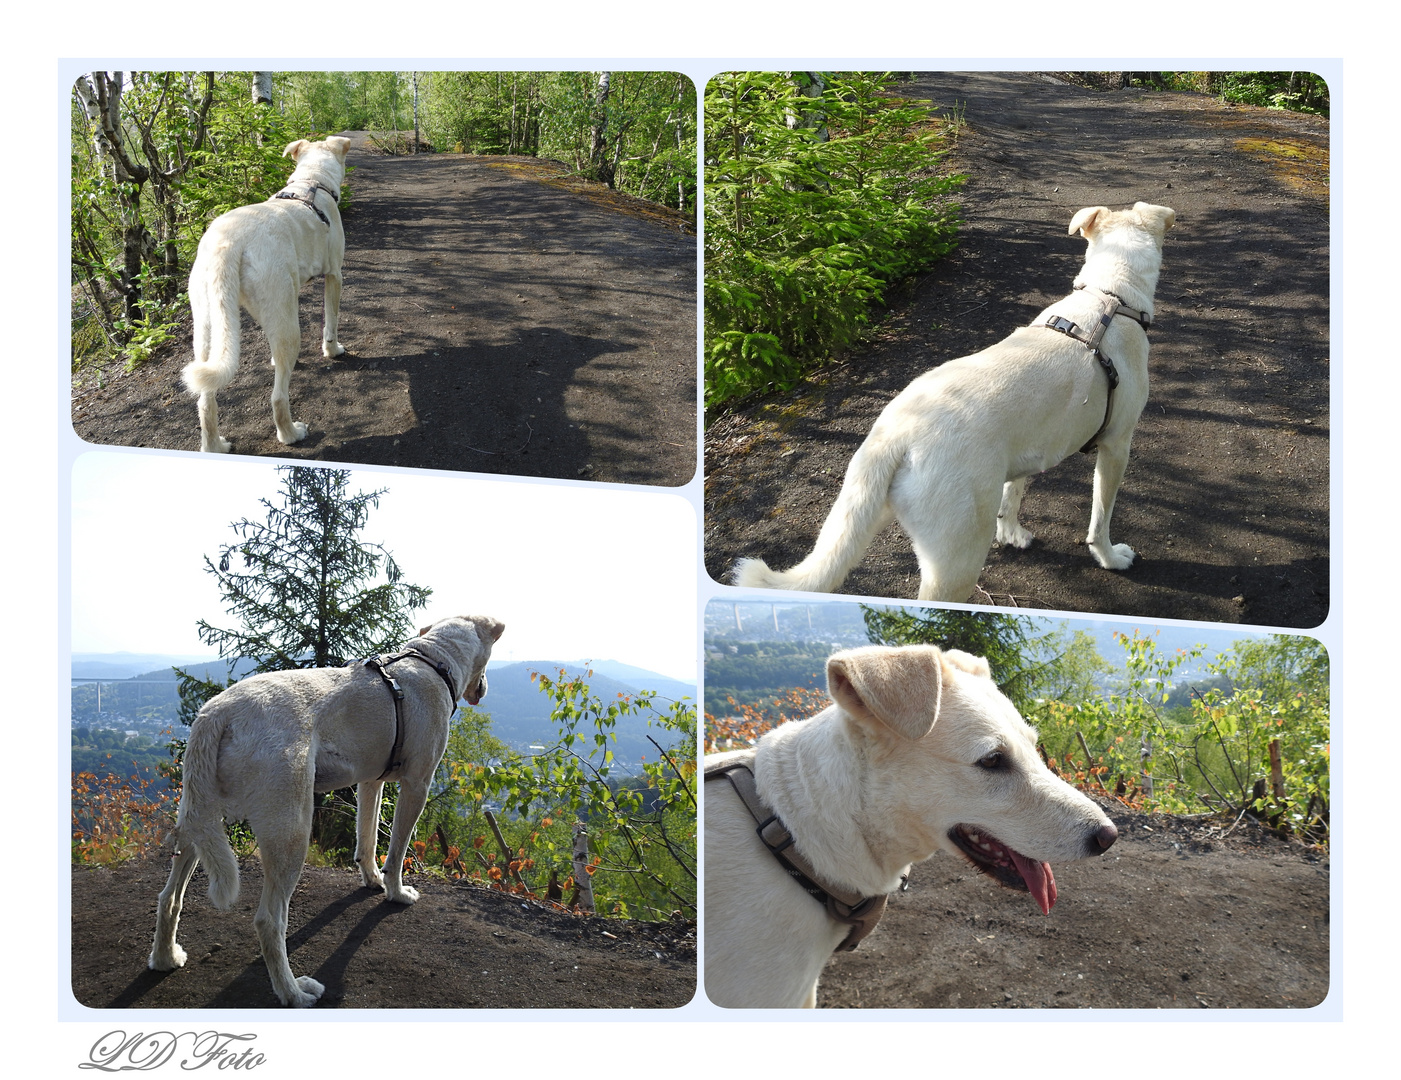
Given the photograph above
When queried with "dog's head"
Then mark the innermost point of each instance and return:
(466, 640)
(1155, 220)
(324, 159)
(1125, 250)
(951, 761)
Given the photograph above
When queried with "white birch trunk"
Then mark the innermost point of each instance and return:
(581, 866)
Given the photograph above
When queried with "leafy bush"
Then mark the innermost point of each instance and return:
(1299, 91)
(818, 197)
(116, 818)
(1214, 754)
(641, 826)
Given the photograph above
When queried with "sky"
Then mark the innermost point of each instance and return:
(576, 572)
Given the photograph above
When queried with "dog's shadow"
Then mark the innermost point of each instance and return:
(249, 988)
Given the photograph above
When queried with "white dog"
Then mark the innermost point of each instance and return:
(262, 749)
(950, 456)
(919, 751)
(259, 257)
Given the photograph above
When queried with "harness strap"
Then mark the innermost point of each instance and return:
(309, 199)
(381, 664)
(1091, 341)
(861, 913)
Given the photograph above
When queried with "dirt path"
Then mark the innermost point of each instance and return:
(1175, 916)
(500, 317)
(458, 947)
(1226, 498)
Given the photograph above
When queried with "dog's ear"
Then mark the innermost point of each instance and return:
(1163, 217)
(899, 688)
(495, 628)
(294, 149)
(424, 630)
(1086, 221)
(974, 665)
(338, 145)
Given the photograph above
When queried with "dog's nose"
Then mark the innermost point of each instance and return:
(1105, 838)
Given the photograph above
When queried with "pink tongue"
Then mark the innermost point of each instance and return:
(1039, 880)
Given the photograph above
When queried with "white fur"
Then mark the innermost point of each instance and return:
(259, 257)
(949, 457)
(867, 787)
(263, 748)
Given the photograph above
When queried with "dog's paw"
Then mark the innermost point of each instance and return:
(1119, 557)
(220, 445)
(299, 431)
(371, 878)
(404, 894)
(332, 348)
(1014, 535)
(307, 994)
(159, 961)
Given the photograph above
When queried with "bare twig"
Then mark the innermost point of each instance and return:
(502, 453)
(674, 769)
(505, 849)
(1090, 762)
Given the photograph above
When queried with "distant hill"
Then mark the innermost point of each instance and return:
(131, 665)
(144, 690)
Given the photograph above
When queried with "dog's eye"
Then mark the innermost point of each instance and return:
(994, 761)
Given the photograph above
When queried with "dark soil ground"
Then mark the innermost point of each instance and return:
(500, 316)
(459, 947)
(1179, 914)
(1226, 499)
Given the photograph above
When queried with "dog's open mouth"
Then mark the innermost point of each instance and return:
(1016, 871)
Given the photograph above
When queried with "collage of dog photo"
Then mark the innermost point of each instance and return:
(712, 542)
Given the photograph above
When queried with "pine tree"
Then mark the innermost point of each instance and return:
(301, 582)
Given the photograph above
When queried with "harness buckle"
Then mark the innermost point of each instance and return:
(771, 819)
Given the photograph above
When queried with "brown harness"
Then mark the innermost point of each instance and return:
(861, 913)
(381, 664)
(309, 199)
(1111, 306)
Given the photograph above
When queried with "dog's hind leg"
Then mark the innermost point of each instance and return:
(210, 441)
(412, 798)
(1110, 462)
(1009, 529)
(367, 802)
(330, 331)
(166, 955)
(951, 533)
(949, 574)
(283, 849)
(285, 338)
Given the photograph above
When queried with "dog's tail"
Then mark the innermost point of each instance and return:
(862, 509)
(214, 289)
(200, 822)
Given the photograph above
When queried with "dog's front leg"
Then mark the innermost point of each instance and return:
(330, 331)
(1009, 529)
(1110, 462)
(413, 797)
(367, 802)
